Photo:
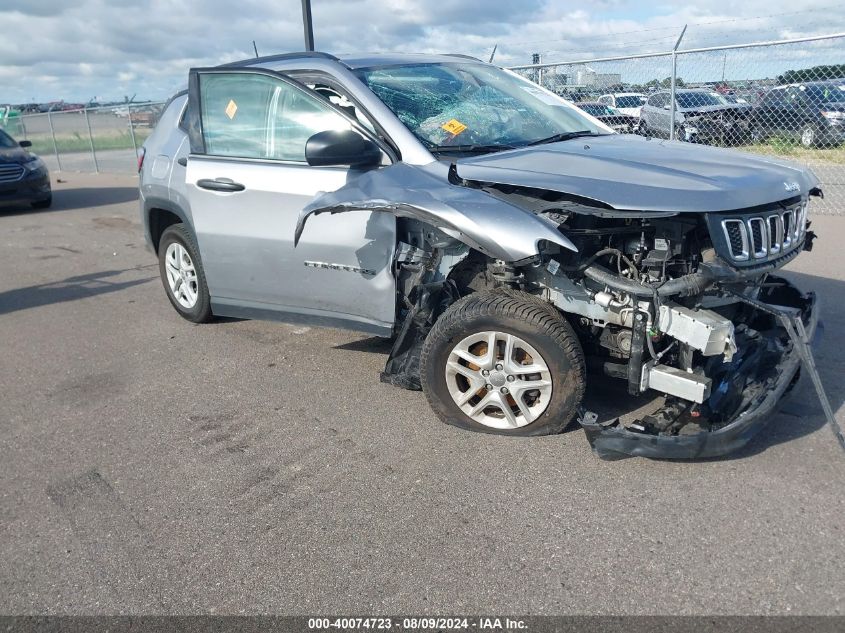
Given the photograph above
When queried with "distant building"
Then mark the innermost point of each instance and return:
(586, 76)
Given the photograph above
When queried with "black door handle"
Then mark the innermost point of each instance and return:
(220, 184)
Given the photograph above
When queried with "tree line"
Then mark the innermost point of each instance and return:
(816, 73)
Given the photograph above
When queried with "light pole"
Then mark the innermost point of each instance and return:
(307, 26)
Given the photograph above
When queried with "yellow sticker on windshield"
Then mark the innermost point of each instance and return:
(231, 109)
(454, 127)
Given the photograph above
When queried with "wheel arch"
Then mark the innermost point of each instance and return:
(159, 214)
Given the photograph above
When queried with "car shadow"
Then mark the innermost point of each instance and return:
(81, 198)
(70, 289)
(370, 345)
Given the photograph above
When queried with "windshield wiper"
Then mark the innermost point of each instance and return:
(471, 148)
(563, 136)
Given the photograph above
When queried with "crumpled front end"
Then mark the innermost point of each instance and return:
(737, 397)
(724, 127)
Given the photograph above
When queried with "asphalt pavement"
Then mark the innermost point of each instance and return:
(154, 466)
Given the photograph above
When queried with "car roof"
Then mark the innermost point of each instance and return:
(354, 61)
(626, 94)
(395, 59)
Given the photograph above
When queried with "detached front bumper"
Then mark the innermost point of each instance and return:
(611, 441)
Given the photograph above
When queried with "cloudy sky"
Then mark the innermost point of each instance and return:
(76, 51)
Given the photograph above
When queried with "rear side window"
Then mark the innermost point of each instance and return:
(656, 101)
(249, 115)
(774, 97)
(630, 101)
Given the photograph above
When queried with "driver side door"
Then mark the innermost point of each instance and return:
(247, 180)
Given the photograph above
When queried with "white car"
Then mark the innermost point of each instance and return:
(629, 103)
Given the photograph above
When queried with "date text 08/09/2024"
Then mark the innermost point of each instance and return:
(416, 624)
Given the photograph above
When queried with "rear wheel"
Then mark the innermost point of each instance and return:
(503, 362)
(182, 274)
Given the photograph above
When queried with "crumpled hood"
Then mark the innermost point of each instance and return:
(633, 173)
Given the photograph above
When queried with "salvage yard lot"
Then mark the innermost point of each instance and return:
(154, 466)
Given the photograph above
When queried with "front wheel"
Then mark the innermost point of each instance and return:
(503, 362)
(182, 274)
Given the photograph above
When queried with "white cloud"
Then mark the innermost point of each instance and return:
(73, 50)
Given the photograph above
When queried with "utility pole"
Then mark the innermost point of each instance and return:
(674, 75)
(538, 72)
(307, 25)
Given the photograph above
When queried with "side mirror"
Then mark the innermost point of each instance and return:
(25, 143)
(341, 147)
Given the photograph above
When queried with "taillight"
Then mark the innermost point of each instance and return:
(141, 153)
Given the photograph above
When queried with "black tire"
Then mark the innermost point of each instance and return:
(201, 310)
(43, 204)
(531, 319)
(642, 128)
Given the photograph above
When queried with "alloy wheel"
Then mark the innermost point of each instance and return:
(498, 380)
(808, 136)
(181, 275)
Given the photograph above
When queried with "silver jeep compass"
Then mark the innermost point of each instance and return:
(515, 248)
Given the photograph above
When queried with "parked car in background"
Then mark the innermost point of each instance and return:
(701, 116)
(629, 103)
(622, 123)
(24, 178)
(811, 113)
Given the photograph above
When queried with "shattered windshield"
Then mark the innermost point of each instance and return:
(697, 99)
(452, 106)
(596, 109)
(827, 93)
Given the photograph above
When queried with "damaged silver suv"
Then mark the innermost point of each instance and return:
(515, 248)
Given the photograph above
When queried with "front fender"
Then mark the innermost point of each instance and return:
(494, 227)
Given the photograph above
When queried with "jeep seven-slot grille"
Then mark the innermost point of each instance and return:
(10, 173)
(761, 236)
(759, 243)
(736, 238)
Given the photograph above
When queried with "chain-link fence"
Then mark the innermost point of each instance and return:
(104, 139)
(784, 99)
